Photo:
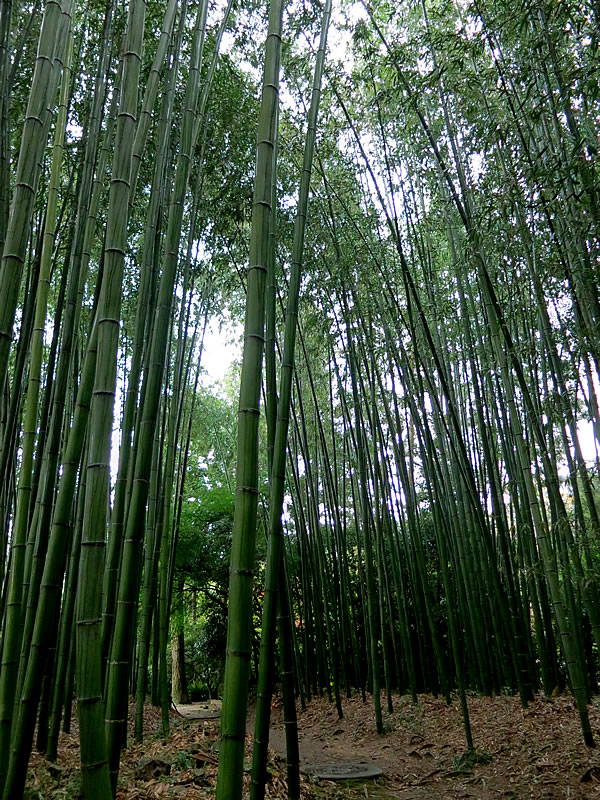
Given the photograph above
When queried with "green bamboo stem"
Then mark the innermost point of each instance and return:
(51, 584)
(66, 631)
(24, 491)
(147, 597)
(143, 313)
(36, 127)
(275, 538)
(94, 766)
(45, 80)
(118, 668)
(235, 695)
(151, 88)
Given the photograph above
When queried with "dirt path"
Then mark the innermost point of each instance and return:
(322, 738)
(536, 753)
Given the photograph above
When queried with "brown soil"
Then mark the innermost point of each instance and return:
(536, 753)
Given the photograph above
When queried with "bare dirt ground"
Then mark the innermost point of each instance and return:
(526, 754)
(536, 752)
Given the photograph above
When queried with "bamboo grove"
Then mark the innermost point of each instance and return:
(403, 197)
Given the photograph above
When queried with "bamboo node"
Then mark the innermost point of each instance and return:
(94, 699)
(93, 764)
(249, 489)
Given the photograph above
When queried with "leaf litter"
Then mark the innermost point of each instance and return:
(535, 753)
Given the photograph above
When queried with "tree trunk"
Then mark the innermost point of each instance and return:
(179, 686)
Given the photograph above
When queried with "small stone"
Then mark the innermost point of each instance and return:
(152, 768)
(342, 771)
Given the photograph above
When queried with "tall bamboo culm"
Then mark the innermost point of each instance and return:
(237, 665)
(94, 765)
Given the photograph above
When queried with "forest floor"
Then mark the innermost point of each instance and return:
(532, 753)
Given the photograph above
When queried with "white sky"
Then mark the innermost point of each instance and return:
(222, 346)
(586, 439)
